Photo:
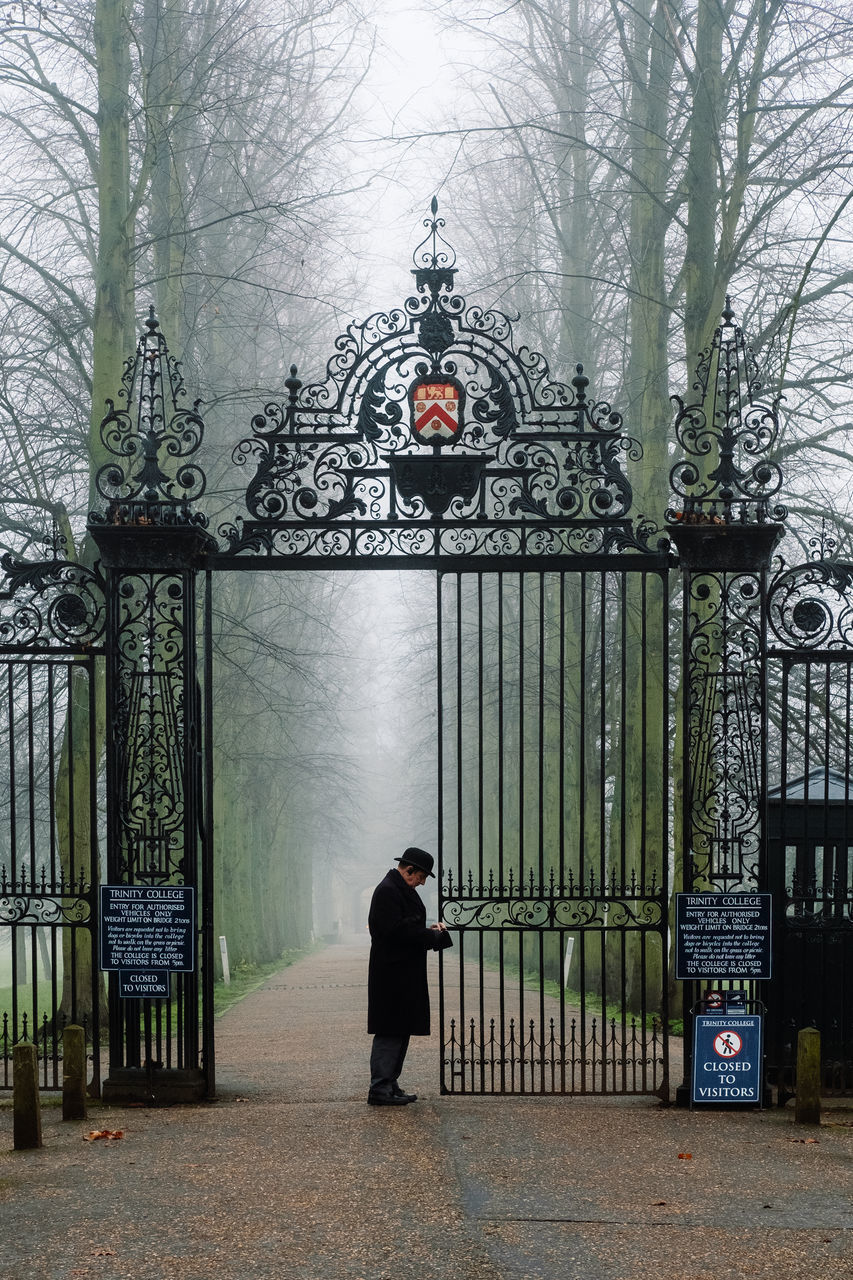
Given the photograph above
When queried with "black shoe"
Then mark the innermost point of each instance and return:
(409, 1097)
(388, 1099)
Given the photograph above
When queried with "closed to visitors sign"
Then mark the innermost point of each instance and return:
(727, 1058)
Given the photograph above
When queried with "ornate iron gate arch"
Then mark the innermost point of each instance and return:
(498, 462)
(435, 443)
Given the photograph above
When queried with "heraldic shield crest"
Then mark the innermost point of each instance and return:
(436, 410)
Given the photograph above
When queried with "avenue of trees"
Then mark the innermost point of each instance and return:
(634, 164)
(616, 170)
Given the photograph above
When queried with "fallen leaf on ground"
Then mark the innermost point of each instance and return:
(685, 1155)
(657, 1203)
(110, 1135)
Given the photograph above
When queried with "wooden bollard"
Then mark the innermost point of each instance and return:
(808, 1076)
(25, 1097)
(73, 1073)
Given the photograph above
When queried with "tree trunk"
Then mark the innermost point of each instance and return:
(113, 324)
(111, 339)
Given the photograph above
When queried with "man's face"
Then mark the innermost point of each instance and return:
(413, 876)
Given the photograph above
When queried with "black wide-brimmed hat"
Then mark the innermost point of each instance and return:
(418, 858)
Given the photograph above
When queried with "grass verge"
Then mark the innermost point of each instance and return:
(591, 1002)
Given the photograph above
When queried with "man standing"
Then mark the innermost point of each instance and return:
(397, 991)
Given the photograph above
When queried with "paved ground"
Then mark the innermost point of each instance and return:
(290, 1175)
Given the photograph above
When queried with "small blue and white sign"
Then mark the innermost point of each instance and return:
(727, 1058)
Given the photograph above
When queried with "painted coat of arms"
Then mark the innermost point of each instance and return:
(436, 411)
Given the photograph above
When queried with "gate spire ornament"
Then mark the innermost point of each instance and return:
(434, 270)
(727, 475)
(151, 436)
(434, 258)
(726, 478)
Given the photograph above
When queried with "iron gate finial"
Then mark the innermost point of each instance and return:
(150, 437)
(726, 474)
(434, 258)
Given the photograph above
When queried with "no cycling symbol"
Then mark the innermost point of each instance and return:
(727, 1044)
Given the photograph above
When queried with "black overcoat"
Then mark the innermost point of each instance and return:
(397, 991)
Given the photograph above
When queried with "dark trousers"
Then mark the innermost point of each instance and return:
(386, 1062)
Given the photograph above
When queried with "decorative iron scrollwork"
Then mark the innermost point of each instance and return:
(151, 436)
(810, 606)
(43, 897)
(51, 602)
(813, 904)
(502, 445)
(725, 723)
(527, 903)
(27, 909)
(150, 714)
(553, 913)
(726, 474)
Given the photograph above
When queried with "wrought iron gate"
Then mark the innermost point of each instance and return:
(51, 810)
(436, 443)
(810, 817)
(554, 724)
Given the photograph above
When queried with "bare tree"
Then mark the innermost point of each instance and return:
(706, 152)
(190, 155)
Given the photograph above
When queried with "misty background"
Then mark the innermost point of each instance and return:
(260, 172)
